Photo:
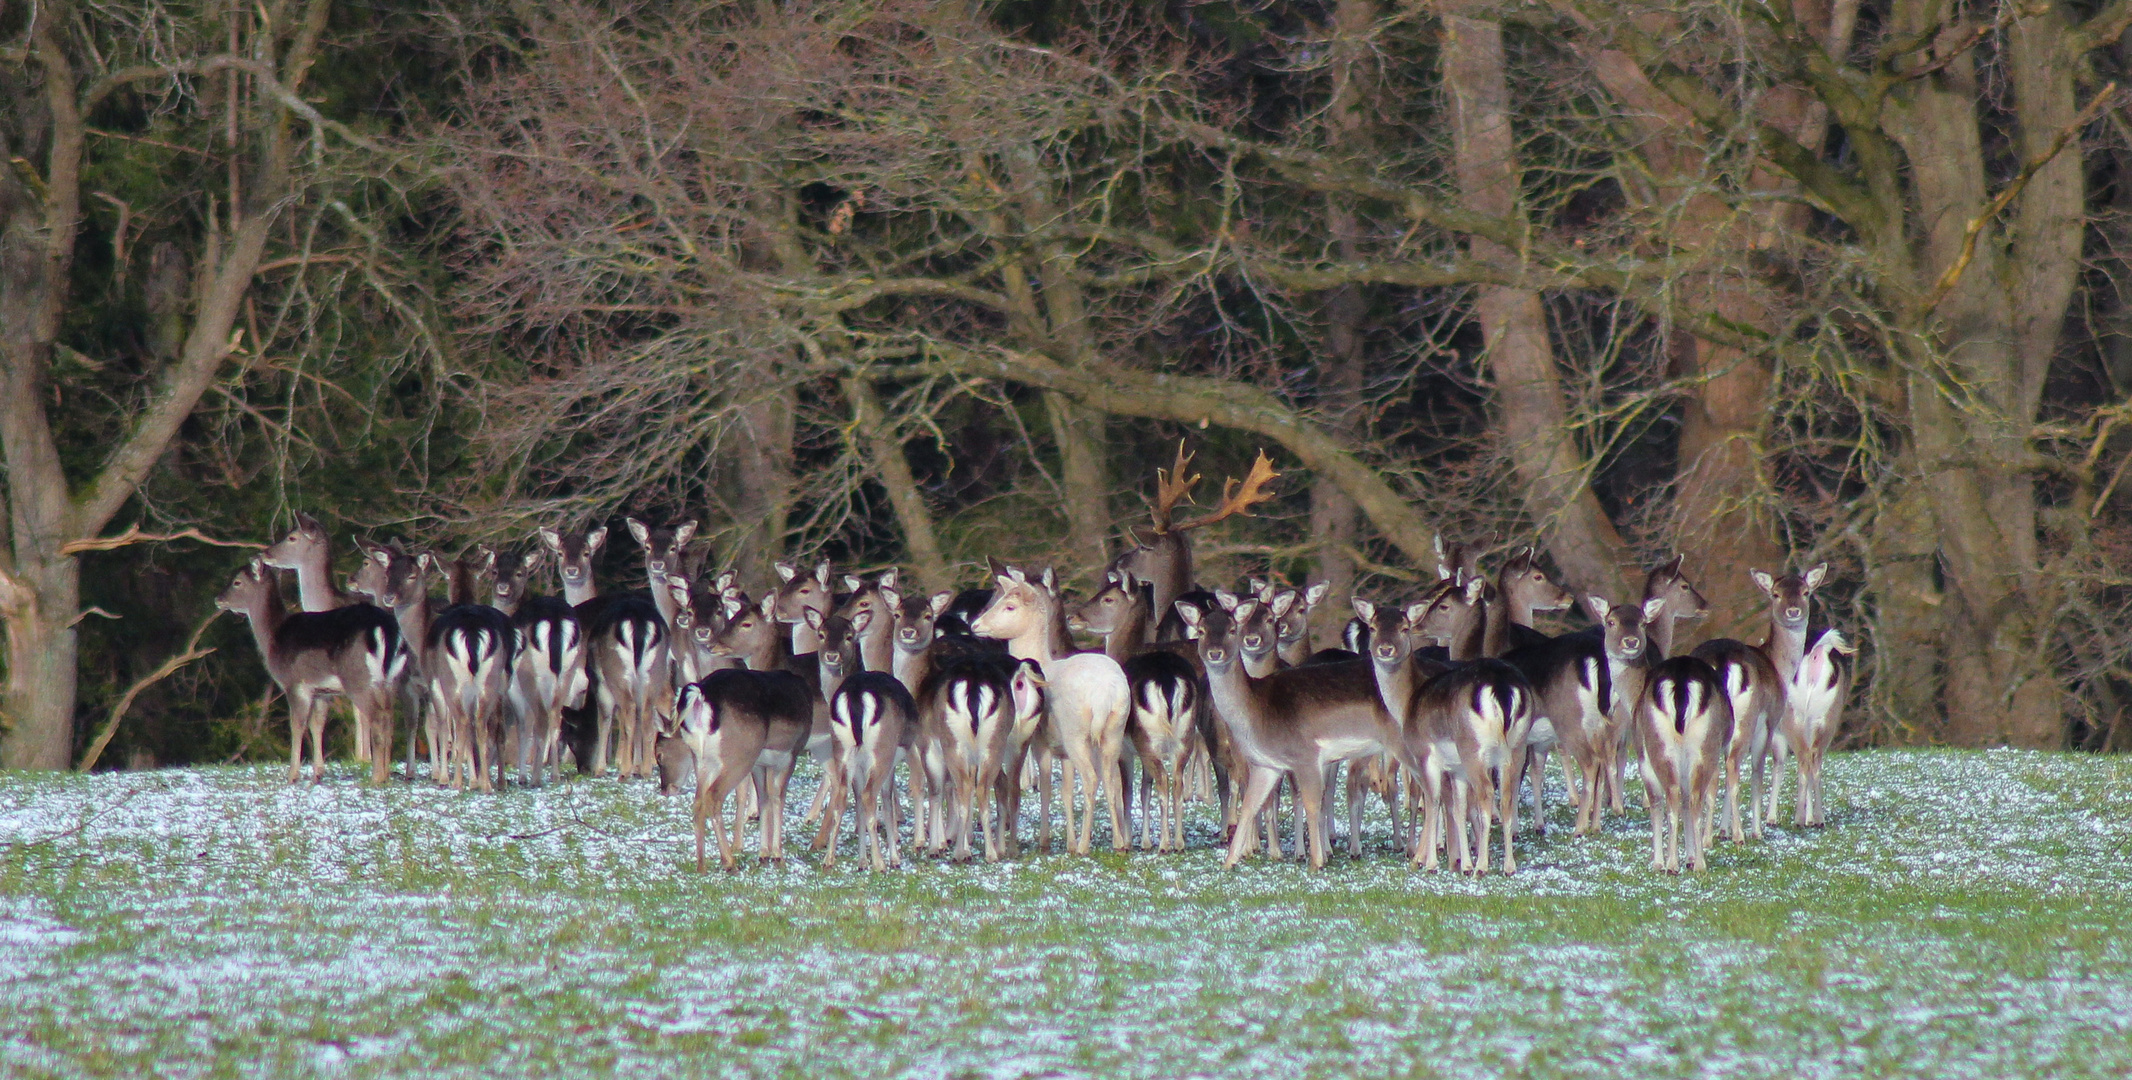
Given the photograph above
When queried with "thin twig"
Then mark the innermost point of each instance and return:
(190, 653)
(134, 535)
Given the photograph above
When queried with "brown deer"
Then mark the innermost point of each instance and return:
(1684, 720)
(1295, 721)
(726, 721)
(626, 655)
(353, 652)
(873, 719)
(753, 635)
(1790, 605)
(1163, 556)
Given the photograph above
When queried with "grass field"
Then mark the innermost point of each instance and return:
(1965, 914)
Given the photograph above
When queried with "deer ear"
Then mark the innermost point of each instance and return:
(938, 604)
(1476, 587)
(639, 530)
(1018, 574)
(484, 561)
(1763, 581)
(813, 618)
(886, 579)
(1281, 604)
(1315, 595)
(551, 540)
(891, 597)
(1416, 612)
(1226, 599)
(1257, 588)
(1050, 580)
(683, 533)
(1674, 566)
(822, 573)
(595, 539)
(1192, 616)
(861, 621)
(785, 571)
(724, 580)
(383, 557)
(533, 560)
(1599, 605)
(733, 607)
(677, 587)
(1366, 610)
(1006, 584)
(852, 583)
(769, 607)
(1815, 576)
(1652, 607)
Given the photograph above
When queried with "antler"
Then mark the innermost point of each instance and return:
(1171, 487)
(1238, 498)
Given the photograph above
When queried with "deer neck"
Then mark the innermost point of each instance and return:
(911, 668)
(413, 618)
(771, 653)
(1292, 653)
(805, 639)
(877, 647)
(1495, 625)
(580, 592)
(1131, 635)
(314, 581)
(1260, 666)
(1785, 647)
(1395, 686)
(266, 617)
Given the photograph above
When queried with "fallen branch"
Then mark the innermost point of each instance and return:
(191, 652)
(134, 535)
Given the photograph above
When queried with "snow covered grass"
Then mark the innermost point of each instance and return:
(1965, 914)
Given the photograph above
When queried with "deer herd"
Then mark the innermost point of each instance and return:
(1444, 709)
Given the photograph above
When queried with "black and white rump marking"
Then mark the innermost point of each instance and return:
(548, 677)
(1465, 734)
(472, 649)
(1685, 721)
(869, 714)
(1167, 730)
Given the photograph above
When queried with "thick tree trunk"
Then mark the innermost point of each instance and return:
(920, 539)
(1533, 418)
(41, 656)
(1083, 444)
(1334, 518)
(1908, 612)
(763, 468)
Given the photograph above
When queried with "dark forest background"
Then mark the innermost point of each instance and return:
(894, 282)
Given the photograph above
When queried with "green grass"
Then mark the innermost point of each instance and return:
(1965, 914)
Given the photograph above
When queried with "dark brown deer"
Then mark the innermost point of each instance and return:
(353, 652)
(1163, 556)
(726, 721)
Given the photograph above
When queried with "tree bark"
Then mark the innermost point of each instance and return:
(763, 469)
(1334, 517)
(920, 539)
(1533, 417)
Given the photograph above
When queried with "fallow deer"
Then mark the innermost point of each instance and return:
(873, 718)
(1088, 698)
(625, 655)
(1296, 721)
(1167, 729)
(549, 675)
(353, 652)
(1819, 688)
(664, 550)
(1164, 556)
(726, 721)
(1790, 606)
(1464, 732)
(1684, 721)
(753, 635)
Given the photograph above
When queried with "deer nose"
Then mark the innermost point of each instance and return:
(1216, 656)
(1253, 642)
(1631, 643)
(1792, 613)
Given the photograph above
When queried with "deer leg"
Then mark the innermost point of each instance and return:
(1258, 785)
(1778, 745)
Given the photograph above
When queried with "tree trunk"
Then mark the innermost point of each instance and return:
(920, 539)
(1533, 419)
(763, 468)
(1082, 440)
(41, 655)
